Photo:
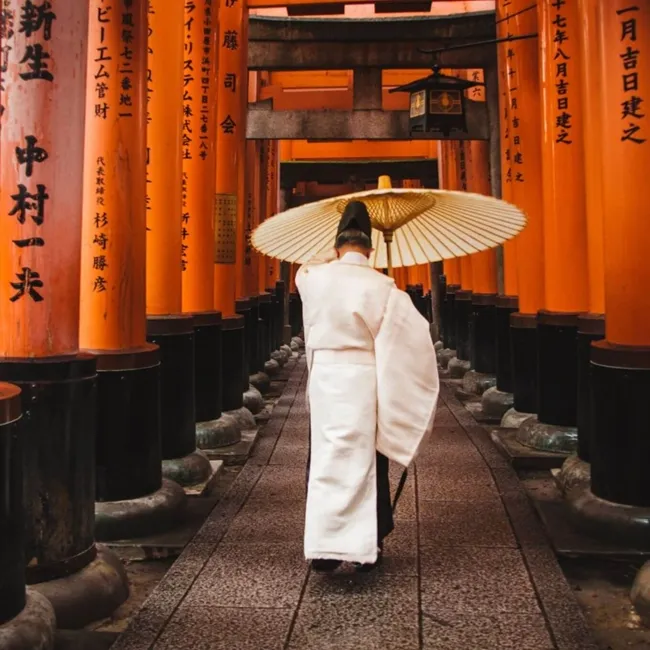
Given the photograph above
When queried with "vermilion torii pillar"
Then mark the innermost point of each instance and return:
(525, 173)
(169, 134)
(113, 287)
(232, 93)
(566, 292)
(618, 504)
(198, 142)
(41, 154)
(591, 325)
(497, 400)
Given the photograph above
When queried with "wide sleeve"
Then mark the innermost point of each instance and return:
(407, 380)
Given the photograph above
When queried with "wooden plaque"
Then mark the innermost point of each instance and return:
(225, 229)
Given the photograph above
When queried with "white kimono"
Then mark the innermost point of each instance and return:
(373, 386)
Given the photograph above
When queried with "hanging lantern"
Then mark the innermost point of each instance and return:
(437, 104)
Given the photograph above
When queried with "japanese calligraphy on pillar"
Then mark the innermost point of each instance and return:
(198, 128)
(515, 155)
(506, 54)
(632, 115)
(229, 113)
(462, 166)
(6, 35)
(226, 230)
(32, 28)
(562, 58)
(185, 221)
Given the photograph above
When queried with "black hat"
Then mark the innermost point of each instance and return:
(355, 217)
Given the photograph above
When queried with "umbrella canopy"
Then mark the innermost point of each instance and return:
(410, 226)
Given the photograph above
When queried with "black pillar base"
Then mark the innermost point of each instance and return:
(449, 330)
(591, 328)
(174, 335)
(280, 293)
(462, 318)
(129, 457)
(12, 557)
(484, 333)
(620, 444)
(59, 405)
(254, 365)
(557, 363)
(295, 314)
(506, 305)
(207, 369)
(233, 369)
(523, 339)
(243, 308)
(267, 326)
(33, 628)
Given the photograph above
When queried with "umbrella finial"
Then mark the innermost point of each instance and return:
(384, 183)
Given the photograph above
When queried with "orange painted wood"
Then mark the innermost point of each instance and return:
(41, 152)
(525, 151)
(199, 156)
(113, 261)
(165, 124)
(563, 165)
(232, 93)
(625, 75)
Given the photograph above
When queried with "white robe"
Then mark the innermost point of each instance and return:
(373, 386)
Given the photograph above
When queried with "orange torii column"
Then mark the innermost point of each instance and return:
(499, 399)
(526, 179)
(591, 324)
(167, 326)
(232, 89)
(41, 153)
(198, 141)
(618, 503)
(565, 229)
(113, 288)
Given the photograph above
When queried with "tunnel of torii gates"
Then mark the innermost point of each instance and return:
(139, 148)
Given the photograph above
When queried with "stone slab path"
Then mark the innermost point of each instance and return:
(467, 568)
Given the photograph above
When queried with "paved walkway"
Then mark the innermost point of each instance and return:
(467, 568)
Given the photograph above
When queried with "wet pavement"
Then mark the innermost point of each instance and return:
(467, 568)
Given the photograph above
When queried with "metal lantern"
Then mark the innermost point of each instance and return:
(437, 104)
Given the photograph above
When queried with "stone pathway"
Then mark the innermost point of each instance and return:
(467, 568)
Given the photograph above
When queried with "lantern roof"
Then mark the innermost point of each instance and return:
(436, 81)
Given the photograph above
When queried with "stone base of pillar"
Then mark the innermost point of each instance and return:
(294, 346)
(287, 350)
(188, 470)
(438, 346)
(272, 368)
(261, 381)
(280, 356)
(253, 400)
(244, 419)
(444, 357)
(513, 419)
(575, 474)
(33, 628)
(150, 514)
(640, 594)
(298, 340)
(547, 437)
(458, 368)
(218, 433)
(476, 383)
(610, 521)
(495, 403)
(88, 595)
